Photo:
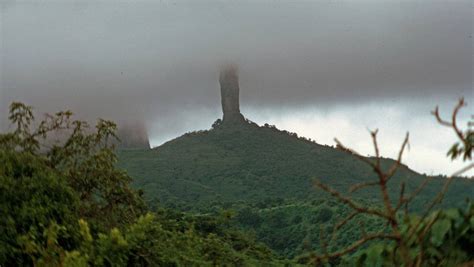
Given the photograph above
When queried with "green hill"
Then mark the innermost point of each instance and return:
(265, 175)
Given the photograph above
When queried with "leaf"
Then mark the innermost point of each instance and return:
(439, 231)
(376, 256)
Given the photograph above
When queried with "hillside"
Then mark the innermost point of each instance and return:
(249, 163)
(265, 174)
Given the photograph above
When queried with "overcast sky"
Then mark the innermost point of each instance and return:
(323, 69)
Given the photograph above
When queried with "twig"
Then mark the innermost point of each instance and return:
(347, 219)
(358, 186)
(440, 196)
(403, 200)
(373, 134)
(350, 202)
(357, 244)
(397, 164)
(355, 153)
(401, 196)
(453, 123)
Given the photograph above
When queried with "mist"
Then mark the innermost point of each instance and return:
(323, 61)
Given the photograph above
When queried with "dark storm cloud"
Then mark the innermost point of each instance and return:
(152, 60)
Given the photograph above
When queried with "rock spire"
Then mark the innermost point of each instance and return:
(229, 80)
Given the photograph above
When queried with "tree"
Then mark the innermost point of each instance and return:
(68, 205)
(440, 238)
(32, 196)
(85, 159)
(47, 187)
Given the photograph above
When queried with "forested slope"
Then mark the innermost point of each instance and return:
(253, 164)
(266, 177)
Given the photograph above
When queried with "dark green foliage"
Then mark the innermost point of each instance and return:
(255, 165)
(267, 175)
(153, 241)
(31, 196)
(294, 228)
(69, 206)
(324, 215)
(87, 160)
(249, 217)
(449, 242)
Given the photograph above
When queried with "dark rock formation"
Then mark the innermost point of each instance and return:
(133, 135)
(229, 81)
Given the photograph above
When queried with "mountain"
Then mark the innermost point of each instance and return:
(266, 176)
(231, 163)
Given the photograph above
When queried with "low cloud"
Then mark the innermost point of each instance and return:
(158, 62)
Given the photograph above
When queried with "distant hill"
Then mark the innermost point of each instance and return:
(266, 172)
(245, 162)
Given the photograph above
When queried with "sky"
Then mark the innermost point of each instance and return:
(322, 69)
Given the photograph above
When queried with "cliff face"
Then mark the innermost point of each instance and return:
(229, 81)
(133, 135)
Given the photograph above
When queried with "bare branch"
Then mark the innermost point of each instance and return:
(389, 213)
(347, 219)
(440, 195)
(341, 224)
(403, 200)
(376, 147)
(397, 164)
(355, 153)
(357, 244)
(350, 202)
(454, 116)
(453, 123)
(401, 196)
(359, 186)
(435, 113)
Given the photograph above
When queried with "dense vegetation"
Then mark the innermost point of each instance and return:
(67, 205)
(266, 177)
(208, 199)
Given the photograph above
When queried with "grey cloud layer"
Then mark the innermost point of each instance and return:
(151, 60)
